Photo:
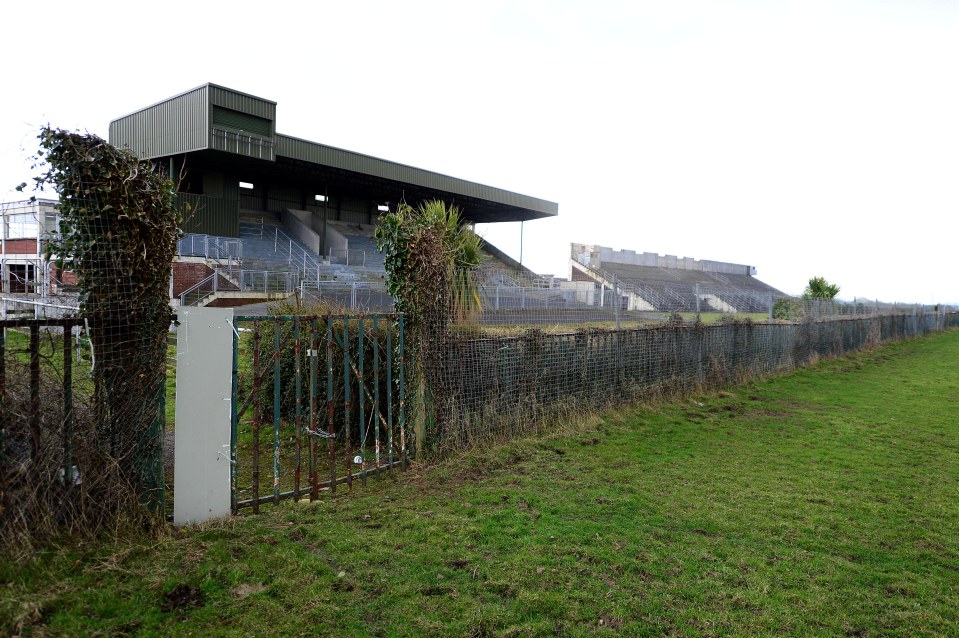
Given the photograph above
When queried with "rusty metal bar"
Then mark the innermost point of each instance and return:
(314, 420)
(389, 394)
(299, 407)
(376, 391)
(67, 407)
(329, 401)
(276, 411)
(35, 392)
(401, 356)
(3, 417)
(45, 323)
(286, 495)
(360, 399)
(257, 417)
(346, 401)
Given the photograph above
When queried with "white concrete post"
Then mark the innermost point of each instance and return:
(201, 461)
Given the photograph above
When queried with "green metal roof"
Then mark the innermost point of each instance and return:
(316, 153)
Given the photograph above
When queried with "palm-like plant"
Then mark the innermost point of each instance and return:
(819, 288)
(431, 237)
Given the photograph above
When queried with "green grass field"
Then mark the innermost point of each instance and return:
(821, 503)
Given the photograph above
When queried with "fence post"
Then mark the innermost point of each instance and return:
(697, 302)
(616, 300)
(202, 472)
(770, 306)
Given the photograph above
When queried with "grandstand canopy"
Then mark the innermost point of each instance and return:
(225, 146)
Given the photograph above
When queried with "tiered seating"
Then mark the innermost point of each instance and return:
(362, 247)
(674, 289)
(263, 251)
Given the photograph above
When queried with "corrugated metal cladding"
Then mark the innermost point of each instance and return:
(228, 118)
(354, 217)
(177, 125)
(279, 199)
(338, 158)
(221, 96)
(210, 215)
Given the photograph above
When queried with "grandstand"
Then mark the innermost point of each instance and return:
(268, 213)
(666, 283)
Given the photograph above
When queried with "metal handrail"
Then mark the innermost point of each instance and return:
(647, 293)
(212, 247)
(265, 281)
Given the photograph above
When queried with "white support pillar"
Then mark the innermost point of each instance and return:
(201, 463)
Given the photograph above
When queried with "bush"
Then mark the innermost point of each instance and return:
(785, 309)
(37, 501)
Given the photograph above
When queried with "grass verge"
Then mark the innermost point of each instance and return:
(819, 503)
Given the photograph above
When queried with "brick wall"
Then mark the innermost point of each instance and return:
(21, 247)
(66, 277)
(186, 275)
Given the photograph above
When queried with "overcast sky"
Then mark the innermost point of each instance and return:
(803, 138)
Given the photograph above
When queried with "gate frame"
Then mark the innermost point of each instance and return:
(351, 370)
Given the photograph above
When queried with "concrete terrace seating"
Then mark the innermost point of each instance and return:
(362, 252)
(674, 290)
(265, 249)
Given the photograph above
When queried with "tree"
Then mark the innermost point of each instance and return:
(819, 288)
(430, 256)
(118, 233)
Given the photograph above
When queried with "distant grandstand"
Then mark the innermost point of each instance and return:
(666, 283)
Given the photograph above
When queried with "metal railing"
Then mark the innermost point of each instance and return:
(351, 257)
(227, 252)
(355, 295)
(297, 257)
(236, 280)
(243, 144)
(11, 306)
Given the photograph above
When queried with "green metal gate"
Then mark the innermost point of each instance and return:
(331, 386)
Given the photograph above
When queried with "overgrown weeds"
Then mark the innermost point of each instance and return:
(58, 479)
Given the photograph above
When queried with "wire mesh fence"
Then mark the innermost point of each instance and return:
(488, 383)
(118, 227)
(60, 469)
